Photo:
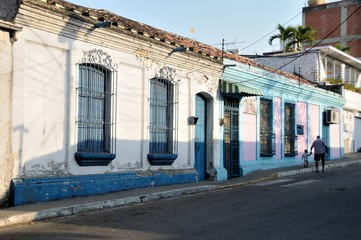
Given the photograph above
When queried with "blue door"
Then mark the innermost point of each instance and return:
(200, 139)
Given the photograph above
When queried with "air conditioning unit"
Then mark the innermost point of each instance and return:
(332, 116)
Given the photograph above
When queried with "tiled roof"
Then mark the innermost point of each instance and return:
(131, 27)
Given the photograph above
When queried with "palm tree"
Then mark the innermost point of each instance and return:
(293, 38)
(284, 35)
(301, 35)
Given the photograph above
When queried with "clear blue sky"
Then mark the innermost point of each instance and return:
(246, 24)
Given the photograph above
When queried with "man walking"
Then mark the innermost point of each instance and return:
(320, 152)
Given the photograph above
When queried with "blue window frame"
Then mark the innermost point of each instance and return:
(163, 132)
(96, 112)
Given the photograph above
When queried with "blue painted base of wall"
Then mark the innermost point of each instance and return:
(32, 190)
(248, 167)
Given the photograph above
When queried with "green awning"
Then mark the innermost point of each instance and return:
(238, 88)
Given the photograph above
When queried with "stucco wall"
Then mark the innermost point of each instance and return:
(315, 121)
(335, 141)
(45, 104)
(278, 126)
(303, 121)
(351, 126)
(306, 66)
(249, 136)
(5, 116)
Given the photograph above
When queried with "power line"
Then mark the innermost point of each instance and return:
(300, 55)
(269, 33)
(273, 30)
(312, 47)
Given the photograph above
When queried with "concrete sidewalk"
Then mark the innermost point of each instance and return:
(74, 206)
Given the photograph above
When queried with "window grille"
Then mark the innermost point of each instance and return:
(96, 121)
(267, 137)
(163, 132)
(290, 137)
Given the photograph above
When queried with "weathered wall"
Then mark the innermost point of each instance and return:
(249, 129)
(306, 66)
(45, 93)
(5, 115)
(45, 107)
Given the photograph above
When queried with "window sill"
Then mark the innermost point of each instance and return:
(290, 154)
(266, 155)
(94, 159)
(161, 159)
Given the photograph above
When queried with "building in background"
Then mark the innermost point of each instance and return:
(336, 23)
(333, 70)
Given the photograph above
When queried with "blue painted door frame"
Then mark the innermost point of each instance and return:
(200, 138)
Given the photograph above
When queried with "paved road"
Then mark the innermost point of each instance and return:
(313, 206)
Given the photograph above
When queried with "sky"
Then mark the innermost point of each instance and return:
(244, 25)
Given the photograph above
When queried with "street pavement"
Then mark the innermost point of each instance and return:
(73, 206)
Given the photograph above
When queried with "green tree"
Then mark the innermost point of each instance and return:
(346, 49)
(293, 38)
(284, 35)
(300, 36)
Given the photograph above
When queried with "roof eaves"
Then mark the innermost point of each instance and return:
(137, 28)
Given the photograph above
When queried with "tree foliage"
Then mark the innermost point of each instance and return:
(346, 49)
(293, 38)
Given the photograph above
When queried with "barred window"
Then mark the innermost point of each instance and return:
(96, 115)
(290, 137)
(163, 132)
(267, 137)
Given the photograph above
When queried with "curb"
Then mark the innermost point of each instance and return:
(22, 218)
(94, 206)
(308, 170)
(241, 184)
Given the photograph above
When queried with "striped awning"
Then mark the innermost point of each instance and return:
(238, 88)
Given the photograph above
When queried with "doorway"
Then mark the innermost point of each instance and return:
(231, 137)
(200, 161)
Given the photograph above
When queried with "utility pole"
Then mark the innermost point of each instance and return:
(222, 49)
(223, 44)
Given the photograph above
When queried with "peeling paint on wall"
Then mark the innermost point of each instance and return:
(6, 85)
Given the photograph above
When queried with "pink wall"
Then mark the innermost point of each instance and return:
(314, 121)
(249, 136)
(302, 120)
(278, 126)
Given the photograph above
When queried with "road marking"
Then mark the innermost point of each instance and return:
(272, 182)
(301, 183)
